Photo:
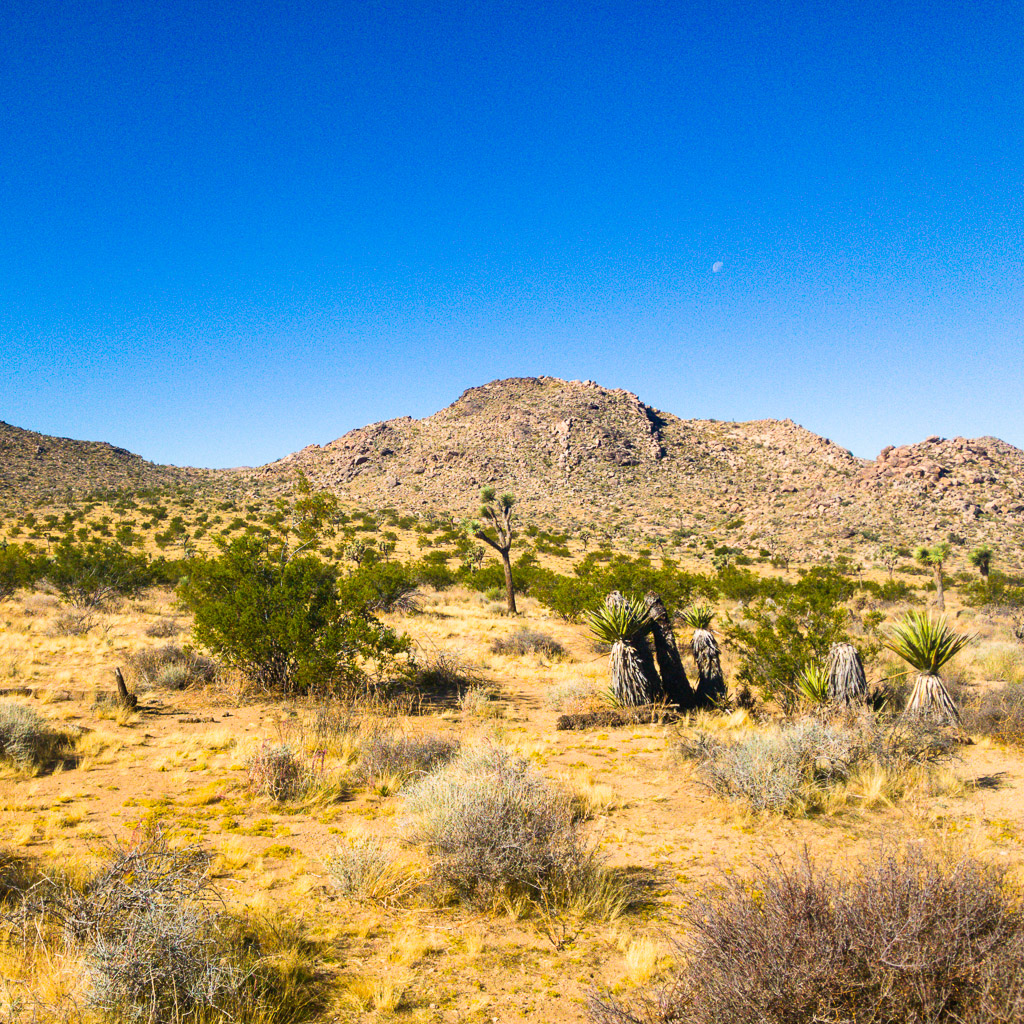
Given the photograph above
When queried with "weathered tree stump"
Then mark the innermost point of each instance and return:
(128, 700)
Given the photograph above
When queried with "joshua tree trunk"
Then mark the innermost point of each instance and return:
(940, 599)
(846, 680)
(630, 681)
(510, 590)
(635, 680)
(670, 663)
(930, 697)
(711, 682)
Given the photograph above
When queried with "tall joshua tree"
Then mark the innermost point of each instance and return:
(495, 530)
(846, 680)
(981, 559)
(704, 645)
(624, 623)
(927, 644)
(933, 557)
(670, 664)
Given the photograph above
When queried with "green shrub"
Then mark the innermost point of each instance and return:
(284, 623)
(85, 575)
(18, 569)
(777, 636)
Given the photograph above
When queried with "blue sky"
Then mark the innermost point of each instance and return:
(228, 230)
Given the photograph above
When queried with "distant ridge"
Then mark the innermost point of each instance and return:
(34, 466)
(596, 458)
(588, 454)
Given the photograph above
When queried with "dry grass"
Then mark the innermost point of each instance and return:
(180, 761)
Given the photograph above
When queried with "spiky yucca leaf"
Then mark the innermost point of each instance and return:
(698, 616)
(625, 620)
(926, 643)
(813, 684)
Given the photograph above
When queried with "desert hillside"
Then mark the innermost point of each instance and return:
(582, 457)
(586, 454)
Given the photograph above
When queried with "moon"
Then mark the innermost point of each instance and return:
(717, 266)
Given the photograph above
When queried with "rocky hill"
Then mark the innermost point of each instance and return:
(35, 466)
(579, 453)
(588, 458)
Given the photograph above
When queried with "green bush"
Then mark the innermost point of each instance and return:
(87, 574)
(777, 636)
(18, 568)
(285, 623)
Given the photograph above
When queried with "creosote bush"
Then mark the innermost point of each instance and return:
(801, 766)
(911, 938)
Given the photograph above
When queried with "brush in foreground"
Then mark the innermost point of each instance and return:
(910, 939)
(927, 644)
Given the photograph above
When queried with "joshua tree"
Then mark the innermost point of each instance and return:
(933, 557)
(670, 664)
(846, 680)
(624, 623)
(887, 557)
(496, 514)
(711, 682)
(927, 644)
(981, 559)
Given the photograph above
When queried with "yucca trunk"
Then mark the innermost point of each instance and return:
(670, 662)
(847, 682)
(931, 698)
(711, 682)
(631, 683)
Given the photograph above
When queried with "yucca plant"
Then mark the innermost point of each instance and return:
(704, 645)
(846, 679)
(624, 623)
(812, 684)
(927, 644)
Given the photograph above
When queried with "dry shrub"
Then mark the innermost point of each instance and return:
(497, 833)
(282, 772)
(71, 622)
(479, 702)
(29, 741)
(909, 939)
(794, 767)
(575, 695)
(391, 759)
(367, 870)
(171, 667)
(529, 641)
(163, 628)
(154, 943)
(443, 674)
(997, 713)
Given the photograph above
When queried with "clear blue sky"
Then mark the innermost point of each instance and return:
(228, 230)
